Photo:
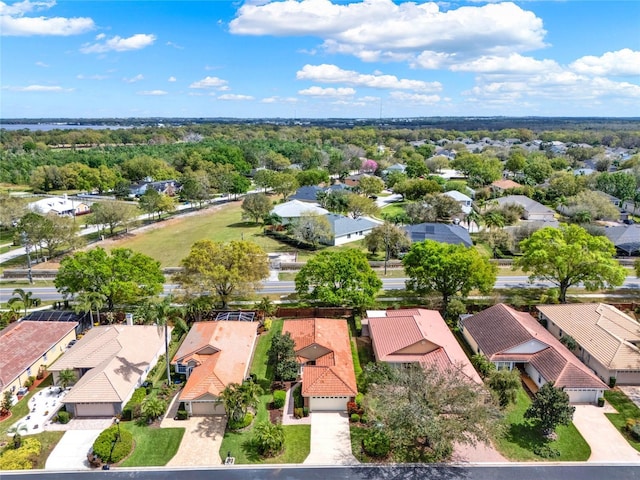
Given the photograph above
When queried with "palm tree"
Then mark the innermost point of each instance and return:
(493, 219)
(238, 399)
(24, 299)
(266, 306)
(583, 216)
(164, 312)
(87, 301)
(66, 377)
(15, 430)
(473, 217)
(153, 407)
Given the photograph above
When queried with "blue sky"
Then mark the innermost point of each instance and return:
(319, 58)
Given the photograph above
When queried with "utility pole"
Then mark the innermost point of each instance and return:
(27, 248)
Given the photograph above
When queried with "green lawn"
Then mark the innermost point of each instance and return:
(297, 437)
(153, 447)
(393, 209)
(48, 440)
(520, 437)
(626, 409)
(220, 225)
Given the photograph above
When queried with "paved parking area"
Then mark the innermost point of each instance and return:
(330, 440)
(607, 445)
(201, 442)
(71, 451)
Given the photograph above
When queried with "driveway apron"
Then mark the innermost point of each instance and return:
(71, 451)
(330, 440)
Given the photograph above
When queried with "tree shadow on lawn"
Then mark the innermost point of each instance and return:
(526, 436)
(250, 449)
(244, 225)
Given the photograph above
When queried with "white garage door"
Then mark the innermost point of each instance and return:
(582, 396)
(207, 408)
(628, 377)
(333, 404)
(95, 410)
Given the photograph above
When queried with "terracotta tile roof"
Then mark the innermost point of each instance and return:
(609, 335)
(504, 334)
(23, 343)
(332, 374)
(417, 335)
(221, 352)
(117, 356)
(505, 184)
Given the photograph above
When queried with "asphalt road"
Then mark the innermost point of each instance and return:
(288, 286)
(391, 472)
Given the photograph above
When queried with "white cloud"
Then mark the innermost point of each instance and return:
(14, 23)
(171, 79)
(327, 92)
(514, 63)
(91, 77)
(154, 93)
(233, 96)
(42, 64)
(414, 98)
(174, 45)
(333, 74)
(621, 62)
(119, 44)
(135, 79)
(375, 30)
(39, 88)
(210, 82)
(277, 99)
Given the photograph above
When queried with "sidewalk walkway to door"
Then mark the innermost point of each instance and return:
(330, 440)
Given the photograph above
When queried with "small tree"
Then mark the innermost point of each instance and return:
(282, 357)
(268, 438)
(256, 206)
(483, 365)
(505, 384)
(550, 408)
(238, 399)
(66, 377)
(15, 431)
(7, 402)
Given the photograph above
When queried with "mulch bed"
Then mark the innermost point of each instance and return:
(5, 416)
(275, 416)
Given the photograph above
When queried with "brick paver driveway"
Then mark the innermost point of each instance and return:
(201, 442)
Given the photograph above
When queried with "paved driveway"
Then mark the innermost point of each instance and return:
(607, 445)
(71, 451)
(330, 440)
(201, 442)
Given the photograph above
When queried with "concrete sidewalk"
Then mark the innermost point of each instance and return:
(330, 440)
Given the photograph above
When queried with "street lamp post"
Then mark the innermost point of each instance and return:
(27, 248)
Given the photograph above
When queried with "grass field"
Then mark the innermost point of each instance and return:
(626, 410)
(520, 438)
(154, 447)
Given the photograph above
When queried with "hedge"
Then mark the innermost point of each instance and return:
(279, 397)
(136, 401)
(105, 442)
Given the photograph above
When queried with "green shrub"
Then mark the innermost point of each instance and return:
(305, 411)
(63, 417)
(359, 400)
(268, 438)
(630, 423)
(22, 458)
(183, 415)
(267, 324)
(358, 324)
(298, 412)
(635, 432)
(376, 443)
(354, 418)
(298, 400)
(279, 397)
(129, 412)
(612, 382)
(29, 382)
(109, 439)
(546, 451)
(245, 422)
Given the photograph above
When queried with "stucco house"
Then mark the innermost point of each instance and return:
(608, 340)
(464, 200)
(294, 209)
(416, 336)
(439, 232)
(110, 362)
(213, 355)
(347, 229)
(512, 339)
(323, 351)
(532, 210)
(26, 347)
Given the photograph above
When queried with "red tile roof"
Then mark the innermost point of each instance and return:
(221, 352)
(22, 343)
(417, 335)
(332, 374)
(499, 330)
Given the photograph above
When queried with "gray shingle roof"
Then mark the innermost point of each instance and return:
(341, 225)
(440, 232)
(625, 237)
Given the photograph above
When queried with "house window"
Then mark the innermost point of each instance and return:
(560, 334)
(348, 235)
(539, 379)
(29, 371)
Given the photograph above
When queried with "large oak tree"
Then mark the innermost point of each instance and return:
(122, 277)
(569, 255)
(447, 269)
(224, 269)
